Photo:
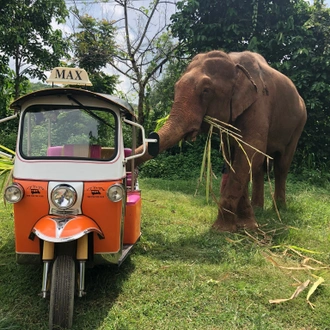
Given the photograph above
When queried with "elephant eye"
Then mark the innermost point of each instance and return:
(206, 93)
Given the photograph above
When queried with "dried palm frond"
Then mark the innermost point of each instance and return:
(230, 133)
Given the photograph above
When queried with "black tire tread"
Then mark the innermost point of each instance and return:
(62, 293)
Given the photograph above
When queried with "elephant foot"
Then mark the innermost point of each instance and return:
(221, 225)
(280, 204)
(246, 224)
(257, 206)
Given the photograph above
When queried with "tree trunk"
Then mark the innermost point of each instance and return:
(141, 117)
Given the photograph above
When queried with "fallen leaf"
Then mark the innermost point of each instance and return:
(299, 289)
(313, 288)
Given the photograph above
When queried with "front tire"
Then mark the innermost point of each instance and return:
(62, 293)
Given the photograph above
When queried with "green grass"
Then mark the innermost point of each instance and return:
(183, 275)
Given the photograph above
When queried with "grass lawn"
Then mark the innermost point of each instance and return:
(183, 275)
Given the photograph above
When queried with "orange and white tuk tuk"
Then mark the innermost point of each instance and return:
(75, 192)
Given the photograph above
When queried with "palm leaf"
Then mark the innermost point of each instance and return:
(6, 167)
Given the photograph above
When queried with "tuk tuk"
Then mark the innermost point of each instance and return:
(75, 191)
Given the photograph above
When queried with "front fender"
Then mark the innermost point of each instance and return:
(58, 229)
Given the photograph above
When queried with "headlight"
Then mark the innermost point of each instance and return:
(14, 193)
(116, 193)
(63, 196)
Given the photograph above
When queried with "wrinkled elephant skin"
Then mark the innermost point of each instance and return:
(243, 90)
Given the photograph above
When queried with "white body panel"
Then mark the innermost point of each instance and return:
(71, 169)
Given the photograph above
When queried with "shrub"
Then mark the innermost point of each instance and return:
(182, 162)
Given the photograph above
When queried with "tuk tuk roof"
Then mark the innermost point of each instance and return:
(124, 106)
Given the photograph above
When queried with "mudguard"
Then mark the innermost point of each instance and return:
(58, 229)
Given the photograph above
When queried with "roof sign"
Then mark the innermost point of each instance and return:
(69, 76)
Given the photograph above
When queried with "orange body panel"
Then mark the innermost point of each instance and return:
(105, 213)
(99, 215)
(77, 226)
(27, 212)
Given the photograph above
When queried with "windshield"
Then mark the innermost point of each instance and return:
(62, 132)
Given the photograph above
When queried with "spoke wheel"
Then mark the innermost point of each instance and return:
(62, 293)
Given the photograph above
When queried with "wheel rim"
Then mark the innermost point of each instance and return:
(62, 293)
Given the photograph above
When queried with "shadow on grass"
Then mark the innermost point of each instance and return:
(103, 286)
(22, 308)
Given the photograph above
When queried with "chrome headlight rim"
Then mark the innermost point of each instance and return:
(19, 189)
(116, 192)
(57, 198)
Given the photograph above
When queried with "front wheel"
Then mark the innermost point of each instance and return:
(62, 293)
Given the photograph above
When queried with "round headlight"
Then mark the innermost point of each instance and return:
(14, 193)
(63, 196)
(116, 193)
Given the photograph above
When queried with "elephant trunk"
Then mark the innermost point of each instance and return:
(169, 135)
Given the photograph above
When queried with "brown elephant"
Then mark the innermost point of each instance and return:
(243, 90)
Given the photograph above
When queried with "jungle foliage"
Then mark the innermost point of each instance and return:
(292, 35)
(29, 39)
(93, 46)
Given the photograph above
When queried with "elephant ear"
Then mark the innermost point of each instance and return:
(245, 92)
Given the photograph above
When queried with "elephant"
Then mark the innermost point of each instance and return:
(241, 89)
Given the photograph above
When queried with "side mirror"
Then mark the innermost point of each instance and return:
(153, 144)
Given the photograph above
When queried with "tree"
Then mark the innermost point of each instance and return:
(27, 36)
(8, 129)
(233, 25)
(145, 48)
(292, 35)
(159, 98)
(143, 45)
(309, 68)
(93, 46)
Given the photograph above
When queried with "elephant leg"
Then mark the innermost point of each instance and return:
(234, 197)
(245, 215)
(282, 164)
(257, 200)
(235, 209)
(224, 177)
(226, 221)
(280, 172)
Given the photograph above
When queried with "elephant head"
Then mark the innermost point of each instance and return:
(214, 85)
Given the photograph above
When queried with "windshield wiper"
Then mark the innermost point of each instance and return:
(90, 112)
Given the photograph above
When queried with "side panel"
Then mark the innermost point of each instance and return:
(132, 229)
(107, 214)
(32, 207)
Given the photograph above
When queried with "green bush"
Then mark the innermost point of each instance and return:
(182, 162)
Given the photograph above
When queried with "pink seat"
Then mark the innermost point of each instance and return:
(129, 179)
(78, 150)
(95, 151)
(82, 150)
(127, 152)
(68, 150)
(55, 151)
